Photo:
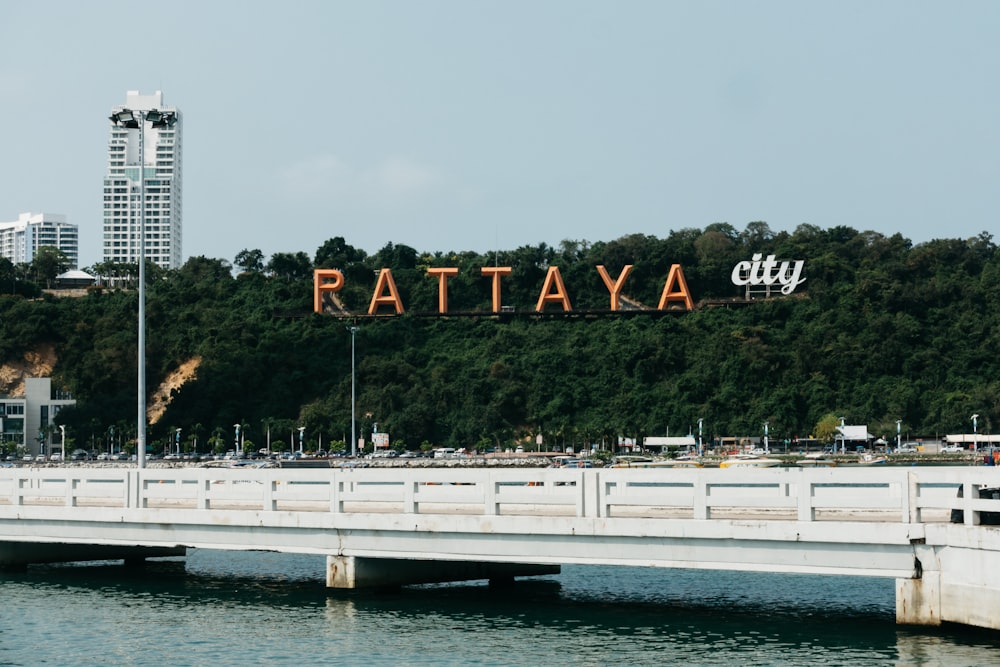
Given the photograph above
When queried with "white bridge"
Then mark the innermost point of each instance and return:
(390, 526)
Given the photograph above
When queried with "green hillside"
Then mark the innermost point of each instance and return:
(880, 330)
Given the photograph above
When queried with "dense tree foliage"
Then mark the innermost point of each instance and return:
(881, 330)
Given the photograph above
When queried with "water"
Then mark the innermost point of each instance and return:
(224, 609)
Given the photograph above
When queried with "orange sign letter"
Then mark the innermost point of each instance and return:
(391, 299)
(443, 274)
(496, 272)
(616, 287)
(553, 279)
(681, 294)
(320, 286)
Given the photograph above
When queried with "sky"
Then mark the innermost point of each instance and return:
(482, 125)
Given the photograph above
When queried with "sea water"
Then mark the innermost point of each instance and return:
(221, 609)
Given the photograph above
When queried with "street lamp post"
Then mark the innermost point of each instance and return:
(354, 439)
(136, 120)
(700, 449)
(767, 449)
(899, 433)
(975, 438)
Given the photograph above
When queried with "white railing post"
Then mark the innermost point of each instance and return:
(270, 486)
(204, 488)
(700, 503)
(70, 496)
(134, 492)
(410, 490)
(910, 497)
(18, 490)
(490, 505)
(806, 511)
(336, 487)
(970, 491)
(591, 483)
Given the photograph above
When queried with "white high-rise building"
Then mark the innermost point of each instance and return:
(20, 240)
(162, 175)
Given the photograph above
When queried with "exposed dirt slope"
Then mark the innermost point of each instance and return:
(37, 363)
(164, 393)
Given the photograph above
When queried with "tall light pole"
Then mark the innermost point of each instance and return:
(354, 402)
(700, 449)
(136, 120)
(899, 433)
(843, 437)
(767, 449)
(975, 439)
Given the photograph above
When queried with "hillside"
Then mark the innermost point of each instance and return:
(879, 330)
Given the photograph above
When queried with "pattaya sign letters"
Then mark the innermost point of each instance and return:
(675, 289)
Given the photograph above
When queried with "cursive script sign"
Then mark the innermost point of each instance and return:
(769, 272)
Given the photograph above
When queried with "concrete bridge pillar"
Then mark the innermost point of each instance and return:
(918, 601)
(357, 572)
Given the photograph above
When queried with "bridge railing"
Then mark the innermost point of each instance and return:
(907, 495)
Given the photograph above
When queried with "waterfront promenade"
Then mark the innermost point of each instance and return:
(387, 526)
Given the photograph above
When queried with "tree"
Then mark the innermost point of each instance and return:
(48, 263)
(826, 428)
(251, 261)
(290, 266)
(336, 253)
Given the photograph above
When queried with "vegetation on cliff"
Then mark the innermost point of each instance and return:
(881, 330)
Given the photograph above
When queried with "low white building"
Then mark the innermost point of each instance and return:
(663, 444)
(27, 420)
(967, 440)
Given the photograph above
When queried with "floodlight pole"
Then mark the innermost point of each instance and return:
(136, 120)
(354, 402)
(140, 435)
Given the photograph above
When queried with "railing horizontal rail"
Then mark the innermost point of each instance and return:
(911, 495)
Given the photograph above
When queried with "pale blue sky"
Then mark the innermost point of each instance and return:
(471, 125)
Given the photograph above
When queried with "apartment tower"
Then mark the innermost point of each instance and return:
(20, 240)
(161, 152)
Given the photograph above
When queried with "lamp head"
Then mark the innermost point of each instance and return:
(161, 119)
(125, 118)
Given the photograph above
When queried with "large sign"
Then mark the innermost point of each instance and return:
(675, 291)
(768, 273)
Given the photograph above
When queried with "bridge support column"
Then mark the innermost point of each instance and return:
(918, 601)
(355, 572)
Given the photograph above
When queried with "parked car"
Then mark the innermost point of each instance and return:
(906, 449)
(951, 449)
